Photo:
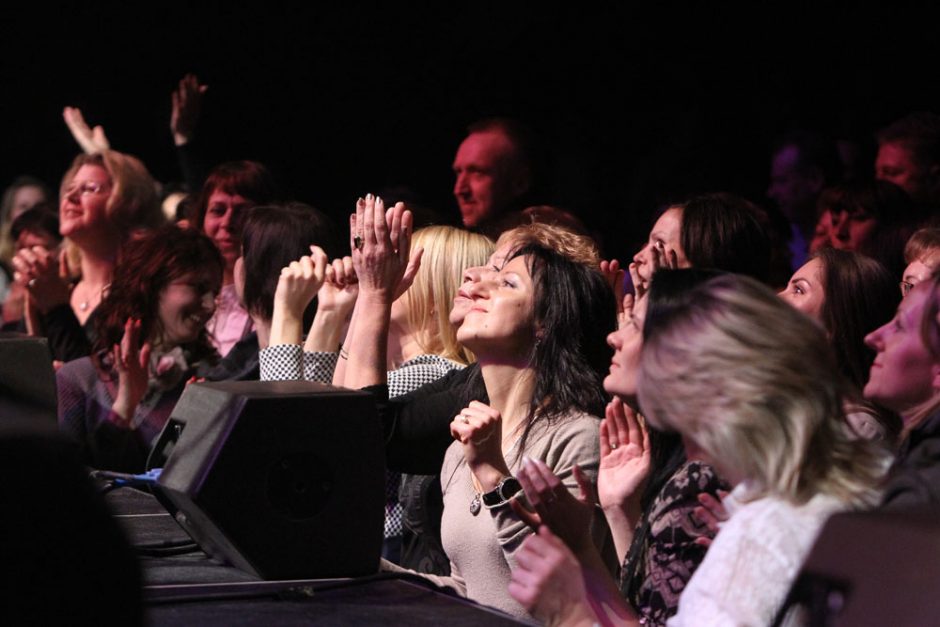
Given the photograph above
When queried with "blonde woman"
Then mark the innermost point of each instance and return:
(764, 409)
(422, 345)
(104, 198)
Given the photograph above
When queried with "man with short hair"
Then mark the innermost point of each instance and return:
(909, 156)
(493, 172)
(802, 166)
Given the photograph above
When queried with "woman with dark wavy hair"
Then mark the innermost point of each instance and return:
(151, 329)
(537, 323)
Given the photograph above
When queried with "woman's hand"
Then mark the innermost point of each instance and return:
(91, 140)
(554, 505)
(615, 275)
(711, 513)
(340, 288)
(381, 249)
(659, 258)
(479, 428)
(298, 284)
(335, 302)
(133, 369)
(186, 103)
(547, 580)
(625, 459)
(45, 276)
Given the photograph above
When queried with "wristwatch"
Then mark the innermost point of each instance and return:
(507, 488)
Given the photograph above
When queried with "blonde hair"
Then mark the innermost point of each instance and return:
(448, 251)
(573, 246)
(923, 246)
(133, 202)
(754, 383)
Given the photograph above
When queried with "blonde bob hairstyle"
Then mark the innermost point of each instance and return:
(573, 246)
(448, 251)
(133, 202)
(754, 384)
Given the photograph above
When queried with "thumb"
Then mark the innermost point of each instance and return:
(145, 355)
(587, 493)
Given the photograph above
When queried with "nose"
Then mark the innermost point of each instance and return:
(873, 339)
(473, 274)
(840, 224)
(460, 184)
(640, 257)
(614, 340)
(477, 289)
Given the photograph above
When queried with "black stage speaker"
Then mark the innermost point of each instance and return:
(871, 568)
(282, 479)
(27, 380)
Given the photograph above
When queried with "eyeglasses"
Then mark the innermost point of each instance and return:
(86, 188)
(906, 287)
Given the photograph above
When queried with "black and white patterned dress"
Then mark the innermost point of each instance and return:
(664, 546)
(289, 362)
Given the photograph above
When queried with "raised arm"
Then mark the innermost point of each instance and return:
(381, 250)
(91, 140)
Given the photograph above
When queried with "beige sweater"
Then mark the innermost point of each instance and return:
(481, 547)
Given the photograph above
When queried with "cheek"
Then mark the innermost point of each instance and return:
(210, 226)
(861, 232)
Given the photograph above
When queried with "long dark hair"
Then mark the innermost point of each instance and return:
(146, 266)
(575, 311)
(724, 231)
(272, 237)
(861, 295)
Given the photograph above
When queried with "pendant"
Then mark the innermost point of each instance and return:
(475, 504)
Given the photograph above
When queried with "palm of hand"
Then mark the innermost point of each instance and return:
(621, 475)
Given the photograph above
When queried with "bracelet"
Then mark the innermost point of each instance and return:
(504, 491)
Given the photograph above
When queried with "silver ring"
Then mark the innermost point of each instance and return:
(464, 419)
(31, 283)
(357, 242)
(614, 446)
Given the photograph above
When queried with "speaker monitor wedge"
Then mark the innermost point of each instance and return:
(282, 479)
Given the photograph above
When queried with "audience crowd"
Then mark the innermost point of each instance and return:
(569, 439)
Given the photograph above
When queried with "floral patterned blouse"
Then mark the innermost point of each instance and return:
(664, 549)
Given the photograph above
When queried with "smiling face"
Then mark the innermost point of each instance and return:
(500, 322)
(463, 301)
(664, 236)
(223, 212)
(185, 306)
(83, 207)
(806, 291)
(904, 374)
(624, 365)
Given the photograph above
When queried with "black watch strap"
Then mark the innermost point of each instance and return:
(504, 490)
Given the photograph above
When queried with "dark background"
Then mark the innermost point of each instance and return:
(636, 106)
